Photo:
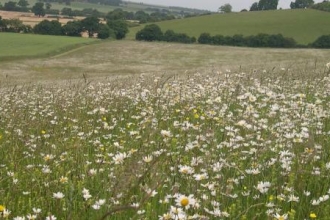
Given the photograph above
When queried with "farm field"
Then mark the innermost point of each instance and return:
(290, 23)
(28, 45)
(134, 130)
(30, 19)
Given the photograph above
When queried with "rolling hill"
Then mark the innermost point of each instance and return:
(304, 25)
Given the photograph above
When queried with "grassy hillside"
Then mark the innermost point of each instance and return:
(302, 25)
(26, 45)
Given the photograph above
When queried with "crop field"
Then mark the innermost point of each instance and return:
(29, 18)
(28, 45)
(132, 130)
(290, 23)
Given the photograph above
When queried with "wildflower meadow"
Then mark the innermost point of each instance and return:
(222, 145)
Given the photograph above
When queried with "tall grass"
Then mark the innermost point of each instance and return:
(224, 145)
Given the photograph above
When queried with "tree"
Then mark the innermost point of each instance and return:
(67, 11)
(104, 32)
(48, 5)
(23, 3)
(323, 6)
(117, 14)
(10, 6)
(267, 5)
(119, 27)
(301, 4)
(151, 32)
(226, 8)
(73, 28)
(91, 25)
(141, 16)
(46, 27)
(38, 9)
(67, 2)
(322, 42)
(14, 25)
(205, 38)
(3, 25)
(171, 36)
(254, 7)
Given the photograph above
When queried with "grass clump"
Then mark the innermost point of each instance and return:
(229, 145)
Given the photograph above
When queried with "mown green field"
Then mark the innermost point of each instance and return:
(28, 45)
(304, 26)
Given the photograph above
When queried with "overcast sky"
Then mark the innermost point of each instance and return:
(213, 5)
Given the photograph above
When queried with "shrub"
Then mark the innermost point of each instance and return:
(104, 32)
(73, 28)
(205, 38)
(119, 27)
(218, 39)
(171, 36)
(150, 32)
(48, 28)
(322, 42)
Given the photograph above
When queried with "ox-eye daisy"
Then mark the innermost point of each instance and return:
(185, 201)
(281, 217)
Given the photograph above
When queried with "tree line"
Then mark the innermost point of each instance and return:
(93, 26)
(41, 8)
(262, 5)
(153, 32)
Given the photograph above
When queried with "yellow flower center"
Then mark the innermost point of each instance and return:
(312, 215)
(184, 201)
(2, 208)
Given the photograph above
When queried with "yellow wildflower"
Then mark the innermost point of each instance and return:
(312, 215)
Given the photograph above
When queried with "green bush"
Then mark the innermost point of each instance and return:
(260, 40)
(104, 31)
(205, 38)
(46, 27)
(119, 27)
(73, 28)
(151, 32)
(171, 36)
(322, 42)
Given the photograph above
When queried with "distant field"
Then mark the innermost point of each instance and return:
(126, 58)
(303, 25)
(129, 6)
(29, 18)
(28, 45)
